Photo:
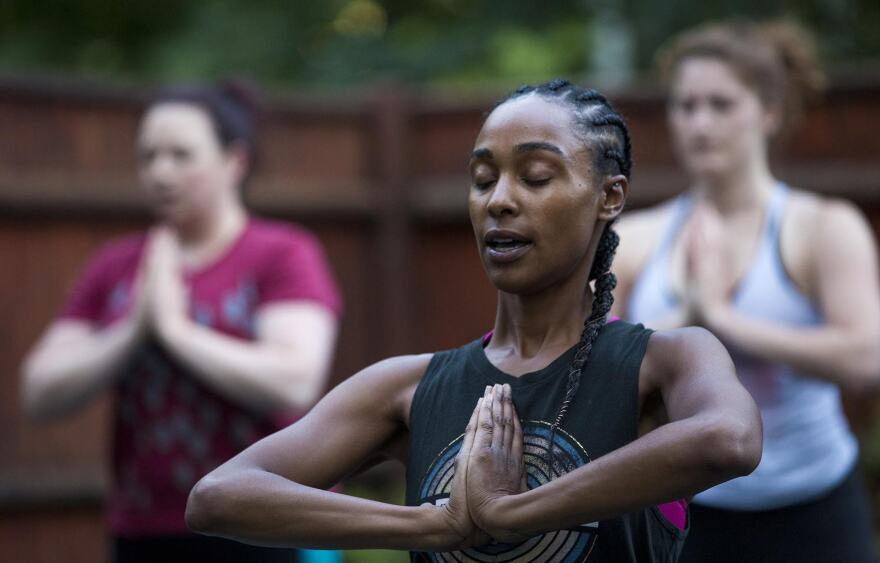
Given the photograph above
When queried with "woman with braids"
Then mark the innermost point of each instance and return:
(522, 445)
(787, 280)
(213, 329)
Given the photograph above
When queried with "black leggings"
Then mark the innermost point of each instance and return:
(834, 528)
(201, 549)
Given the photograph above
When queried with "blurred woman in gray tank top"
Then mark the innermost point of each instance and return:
(785, 278)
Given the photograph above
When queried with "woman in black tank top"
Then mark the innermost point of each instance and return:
(524, 445)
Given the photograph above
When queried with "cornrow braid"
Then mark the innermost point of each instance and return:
(621, 155)
(605, 132)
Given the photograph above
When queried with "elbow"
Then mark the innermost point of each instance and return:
(302, 399)
(865, 377)
(204, 507)
(733, 446)
(30, 402)
(303, 388)
(35, 395)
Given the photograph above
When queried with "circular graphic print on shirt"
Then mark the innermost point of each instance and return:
(563, 546)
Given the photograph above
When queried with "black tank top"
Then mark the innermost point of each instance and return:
(602, 418)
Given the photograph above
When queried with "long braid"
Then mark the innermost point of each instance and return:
(605, 131)
(603, 299)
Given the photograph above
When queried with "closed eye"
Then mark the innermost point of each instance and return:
(180, 154)
(721, 105)
(685, 105)
(145, 156)
(536, 183)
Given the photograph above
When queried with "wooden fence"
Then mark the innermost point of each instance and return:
(380, 178)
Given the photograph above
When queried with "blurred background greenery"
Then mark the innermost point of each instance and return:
(332, 43)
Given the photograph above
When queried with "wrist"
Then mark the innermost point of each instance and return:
(715, 315)
(436, 529)
(171, 329)
(499, 518)
(687, 315)
(133, 328)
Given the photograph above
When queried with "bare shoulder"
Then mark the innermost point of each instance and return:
(387, 385)
(816, 227)
(821, 216)
(676, 345)
(671, 353)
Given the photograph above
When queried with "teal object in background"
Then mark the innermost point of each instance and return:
(319, 556)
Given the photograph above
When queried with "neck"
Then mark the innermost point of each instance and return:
(744, 188)
(204, 238)
(550, 320)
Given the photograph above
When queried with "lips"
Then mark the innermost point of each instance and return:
(504, 246)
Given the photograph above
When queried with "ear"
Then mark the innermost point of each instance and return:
(772, 121)
(237, 161)
(613, 197)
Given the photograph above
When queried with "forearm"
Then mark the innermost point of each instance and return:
(267, 377)
(64, 372)
(675, 461)
(259, 507)
(847, 357)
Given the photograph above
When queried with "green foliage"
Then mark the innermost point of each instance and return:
(384, 489)
(344, 42)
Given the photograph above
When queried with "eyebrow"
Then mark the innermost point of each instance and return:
(538, 146)
(522, 148)
(481, 153)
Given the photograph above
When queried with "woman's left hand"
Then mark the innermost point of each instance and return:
(167, 294)
(709, 277)
(495, 464)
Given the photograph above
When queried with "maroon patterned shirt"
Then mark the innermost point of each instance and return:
(169, 428)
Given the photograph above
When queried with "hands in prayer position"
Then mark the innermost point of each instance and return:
(489, 466)
(708, 277)
(161, 299)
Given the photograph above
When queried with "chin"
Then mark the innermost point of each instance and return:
(505, 281)
(173, 215)
(515, 283)
(711, 170)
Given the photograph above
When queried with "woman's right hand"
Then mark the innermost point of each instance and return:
(708, 275)
(158, 294)
(496, 468)
(140, 287)
(460, 530)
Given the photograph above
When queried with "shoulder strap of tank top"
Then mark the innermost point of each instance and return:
(680, 209)
(775, 207)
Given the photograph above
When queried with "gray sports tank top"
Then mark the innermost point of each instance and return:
(808, 447)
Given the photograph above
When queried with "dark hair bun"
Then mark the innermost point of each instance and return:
(233, 106)
(244, 93)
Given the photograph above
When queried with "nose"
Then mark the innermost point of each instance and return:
(160, 168)
(503, 198)
(702, 118)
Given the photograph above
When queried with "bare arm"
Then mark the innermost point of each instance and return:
(846, 348)
(714, 434)
(271, 494)
(284, 368)
(73, 361)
